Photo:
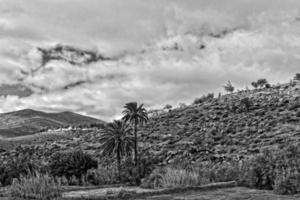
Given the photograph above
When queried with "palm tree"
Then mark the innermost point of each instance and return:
(135, 114)
(117, 139)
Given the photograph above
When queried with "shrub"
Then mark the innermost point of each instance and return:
(254, 84)
(204, 98)
(15, 167)
(102, 175)
(37, 186)
(275, 170)
(262, 171)
(131, 171)
(221, 172)
(246, 103)
(287, 184)
(262, 82)
(71, 163)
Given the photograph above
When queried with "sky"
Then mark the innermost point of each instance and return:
(161, 51)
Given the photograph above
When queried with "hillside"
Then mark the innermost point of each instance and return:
(27, 122)
(217, 129)
(221, 128)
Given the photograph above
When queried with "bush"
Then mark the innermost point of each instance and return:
(16, 167)
(102, 175)
(37, 186)
(287, 184)
(71, 163)
(262, 82)
(254, 84)
(262, 172)
(204, 98)
(222, 172)
(246, 103)
(275, 170)
(131, 173)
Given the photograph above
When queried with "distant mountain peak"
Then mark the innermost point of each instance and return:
(29, 121)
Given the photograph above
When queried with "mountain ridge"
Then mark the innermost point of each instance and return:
(29, 121)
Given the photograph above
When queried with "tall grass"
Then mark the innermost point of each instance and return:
(35, 186)
(180, 178)
(170, 177)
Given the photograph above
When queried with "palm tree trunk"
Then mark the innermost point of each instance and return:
(119, 165)
(136, 149)
(135, 143)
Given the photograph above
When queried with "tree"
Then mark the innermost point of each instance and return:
(135, 114)
(117, 139)
(168, 107)
(254, 84)
(262, 82)
(297, 77)
(229, 87)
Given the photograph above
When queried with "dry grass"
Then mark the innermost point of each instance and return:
(37, 186)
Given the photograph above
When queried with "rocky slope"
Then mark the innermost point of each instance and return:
(27, 122)
(222, 128)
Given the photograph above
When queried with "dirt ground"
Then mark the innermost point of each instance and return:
(237, 193)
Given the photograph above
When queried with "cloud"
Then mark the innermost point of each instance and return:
(167, 51)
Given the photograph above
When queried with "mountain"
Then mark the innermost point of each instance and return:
(27, 122)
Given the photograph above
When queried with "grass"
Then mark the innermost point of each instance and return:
(37, 186)
(180, 178)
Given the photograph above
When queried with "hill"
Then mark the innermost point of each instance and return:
(216, 129)
(27, 122)
(221, 128)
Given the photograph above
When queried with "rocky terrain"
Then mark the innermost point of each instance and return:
(220, 128)
(27, 122)
(223, 128)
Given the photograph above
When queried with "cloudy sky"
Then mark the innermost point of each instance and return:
(158, 51)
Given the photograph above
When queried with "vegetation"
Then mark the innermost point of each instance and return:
(297, 77)
(117, 140)
(218, 122)
(35, 186)
(103, 175)
(168, 107)
(204, 98)
(16, 167)
(261, 83)
(229, 87)
(255, 85)
(246, 103)
(71, 163)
